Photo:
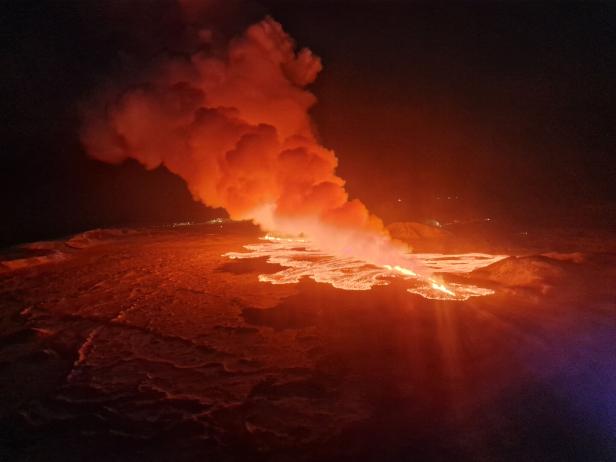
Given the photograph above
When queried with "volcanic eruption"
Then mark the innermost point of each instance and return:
(233, 122)
(231, 118)
(406, 299)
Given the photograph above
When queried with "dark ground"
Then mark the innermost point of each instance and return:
(152, 346)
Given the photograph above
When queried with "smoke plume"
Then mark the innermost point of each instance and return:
(232, 120)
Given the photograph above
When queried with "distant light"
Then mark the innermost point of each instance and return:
(399, 200)
(182, 223)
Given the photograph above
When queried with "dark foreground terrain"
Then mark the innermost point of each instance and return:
(132, 346)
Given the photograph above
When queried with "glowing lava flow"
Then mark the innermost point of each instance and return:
(300, 259)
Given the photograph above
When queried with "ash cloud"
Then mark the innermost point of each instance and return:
(231, 118)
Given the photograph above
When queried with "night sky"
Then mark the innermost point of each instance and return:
(460, 111)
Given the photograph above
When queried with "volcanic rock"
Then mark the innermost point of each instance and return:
(537, 272)
(418, 235)
(157, 346)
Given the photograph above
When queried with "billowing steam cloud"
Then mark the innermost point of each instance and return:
(233, 122)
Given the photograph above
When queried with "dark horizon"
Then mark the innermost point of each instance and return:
(507, 109)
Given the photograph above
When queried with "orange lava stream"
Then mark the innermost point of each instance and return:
(300, 259)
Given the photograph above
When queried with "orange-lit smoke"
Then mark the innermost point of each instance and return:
(233, 122)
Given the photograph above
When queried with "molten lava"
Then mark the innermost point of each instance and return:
(301, 258)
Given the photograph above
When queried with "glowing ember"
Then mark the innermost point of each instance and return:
(301, 259)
